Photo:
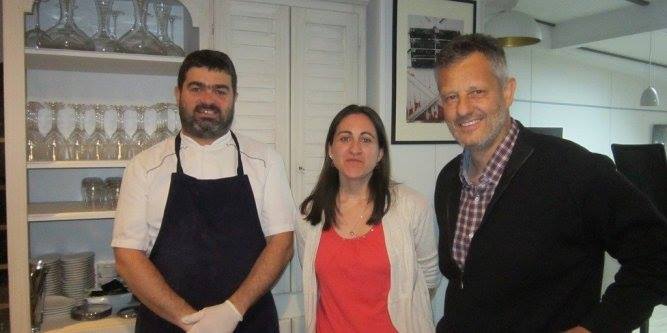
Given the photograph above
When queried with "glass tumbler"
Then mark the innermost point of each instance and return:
(93, 192)
(112, 185)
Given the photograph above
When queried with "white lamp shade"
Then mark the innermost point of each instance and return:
(513, 28)
(649, 97)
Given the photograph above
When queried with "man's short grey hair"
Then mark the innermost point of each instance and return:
(465, 45)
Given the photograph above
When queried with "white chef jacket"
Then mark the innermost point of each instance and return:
(146, 181)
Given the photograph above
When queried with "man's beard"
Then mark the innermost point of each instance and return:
(208, 128)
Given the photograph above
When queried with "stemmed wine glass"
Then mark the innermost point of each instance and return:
(163, 13)
(56, 145)
(36, 37)
(114, 15)
(173, 108)
(34, 139)
(172, 19)
(66, 34)
(161, 131)
(77, 139)
(118, 144)
(140, 139)
(103, 40)
(138, 39)
(97, 140)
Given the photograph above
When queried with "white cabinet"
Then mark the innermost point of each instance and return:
(298, 62)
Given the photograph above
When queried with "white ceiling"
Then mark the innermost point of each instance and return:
(615, 26)
(557, 11)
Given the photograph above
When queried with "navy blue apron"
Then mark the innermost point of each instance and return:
(209, 240)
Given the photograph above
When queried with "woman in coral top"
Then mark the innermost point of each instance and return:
(367, 246)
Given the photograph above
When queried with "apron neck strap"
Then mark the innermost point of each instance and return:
(239, 165)
(179, 169)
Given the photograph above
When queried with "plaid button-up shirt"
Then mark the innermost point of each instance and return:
(475, 198)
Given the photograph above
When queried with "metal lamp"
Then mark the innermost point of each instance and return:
(513, 28)
(650, 94)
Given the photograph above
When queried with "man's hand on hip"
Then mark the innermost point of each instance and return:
(221, 318)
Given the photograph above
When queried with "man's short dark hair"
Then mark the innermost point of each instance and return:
(465, 45)
(210, 59)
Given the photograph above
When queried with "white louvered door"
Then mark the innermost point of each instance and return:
(325, 78)
(256, 37)
(297, 67)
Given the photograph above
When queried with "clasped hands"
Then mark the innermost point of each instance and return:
(221, 318)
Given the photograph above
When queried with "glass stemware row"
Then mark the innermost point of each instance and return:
(79, 145)
(138, 39)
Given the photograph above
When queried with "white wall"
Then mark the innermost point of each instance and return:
(595, 105)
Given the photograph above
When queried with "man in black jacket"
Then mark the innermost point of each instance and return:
(525, 219)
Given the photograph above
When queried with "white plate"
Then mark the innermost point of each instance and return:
(57, 302)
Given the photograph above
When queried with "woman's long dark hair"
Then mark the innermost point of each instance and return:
(323, 196)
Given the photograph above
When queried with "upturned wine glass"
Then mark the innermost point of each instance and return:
(97, 140)
(172, 19)
(140, 139)
(118, 144)
(161, 131)
(114, 16)
(163, 13)
(173, 108)
(36, 37)
(76, 141)
(66, 34)
(139, 39)
(56, 145)
(103, 40)
(35, 149)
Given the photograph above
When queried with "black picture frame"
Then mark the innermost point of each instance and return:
(420, 28)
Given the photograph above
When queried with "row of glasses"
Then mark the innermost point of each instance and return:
(98, 193)
(138, 39)
(96, 146)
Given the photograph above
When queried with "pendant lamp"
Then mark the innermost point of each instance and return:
(650, 94)
(513, 28)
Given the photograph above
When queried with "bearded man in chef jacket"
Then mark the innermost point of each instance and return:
(205, 219)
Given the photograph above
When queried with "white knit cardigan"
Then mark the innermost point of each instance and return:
(410, 238)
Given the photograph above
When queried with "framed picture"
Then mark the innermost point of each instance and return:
(421, 29)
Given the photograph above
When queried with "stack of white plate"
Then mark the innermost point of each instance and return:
(54, 275)
(57, 307)
(78, 274)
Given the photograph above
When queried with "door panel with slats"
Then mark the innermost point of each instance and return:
(325, 78)
(256, 37)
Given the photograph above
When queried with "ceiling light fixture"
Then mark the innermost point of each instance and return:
(650, 94)
(513, 28)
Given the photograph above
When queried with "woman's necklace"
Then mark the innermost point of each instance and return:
(351, 232)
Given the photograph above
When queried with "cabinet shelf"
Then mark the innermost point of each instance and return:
(77, 164)
(66, 210)
(101, 62)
